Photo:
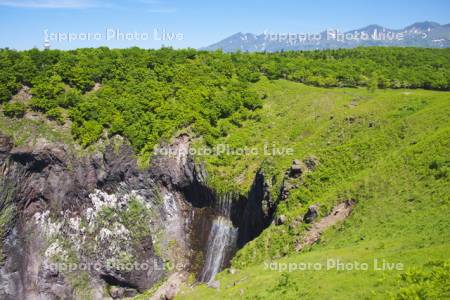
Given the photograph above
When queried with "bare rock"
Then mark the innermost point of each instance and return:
(96, 86)
(6, 145)
(169, 289)
(258, 210)
(214, 284)
(338, 214)
(280, 220)
(171, 292)
(312, 213)
(45, 177)
(296, 169)
(311, 163)
(23, 95)
(350, 119)
(118, 292)
(286, 188)
(172, 163)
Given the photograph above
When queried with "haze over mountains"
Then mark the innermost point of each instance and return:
(420, 34)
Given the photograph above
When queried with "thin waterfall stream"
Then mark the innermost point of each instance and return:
(221, 240)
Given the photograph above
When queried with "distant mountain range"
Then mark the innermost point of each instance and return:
(421, 34)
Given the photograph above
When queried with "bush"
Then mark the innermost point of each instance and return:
(55, 114)
(431, 283)
(5, 94)
(42, 104)
(88, 133)
(14, 110)
(69, 99)
(47, 87)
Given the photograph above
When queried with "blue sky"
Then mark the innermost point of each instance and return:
(197, 23)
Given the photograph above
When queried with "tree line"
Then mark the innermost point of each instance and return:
(147, 95)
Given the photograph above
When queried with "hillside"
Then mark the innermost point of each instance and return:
(387, 151)
(205, 175)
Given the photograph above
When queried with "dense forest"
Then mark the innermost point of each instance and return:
(147, 95)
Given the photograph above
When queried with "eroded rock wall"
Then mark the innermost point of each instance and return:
(96, 226)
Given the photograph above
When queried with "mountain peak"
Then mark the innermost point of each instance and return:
(437, 36)
(371, 28)
(423, 25)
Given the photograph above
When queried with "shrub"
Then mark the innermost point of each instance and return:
(42, 104)
(69, 99)
(14, 110)
(55, 114)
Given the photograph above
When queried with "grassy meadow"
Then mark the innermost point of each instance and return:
(388, 150)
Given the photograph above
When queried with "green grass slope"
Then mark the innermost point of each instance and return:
(387, 150)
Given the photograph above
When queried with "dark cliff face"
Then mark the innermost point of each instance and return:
(100, 208)
(44, 186)
(258, 211)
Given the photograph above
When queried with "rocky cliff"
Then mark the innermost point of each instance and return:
(95, 225)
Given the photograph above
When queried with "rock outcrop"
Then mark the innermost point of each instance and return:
(55, 202)
(293, 177)
(95, 225)
(312, 213)
(258, 209)
(338, 214)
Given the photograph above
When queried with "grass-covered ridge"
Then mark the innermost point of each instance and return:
(387, 150)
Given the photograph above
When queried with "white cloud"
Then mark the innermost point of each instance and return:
(152, 6)
(69, 4)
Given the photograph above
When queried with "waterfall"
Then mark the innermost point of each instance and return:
(221, 241)
(223, 205)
